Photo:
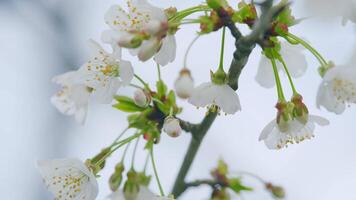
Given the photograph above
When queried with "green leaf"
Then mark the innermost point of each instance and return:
(123, 99)
(128, 107)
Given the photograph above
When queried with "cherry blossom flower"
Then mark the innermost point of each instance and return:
(338, 89)
(184, 85)
(221, 95)
(105, 73)
(68, 179)
(295, 132)
(293, 57)
(172, 126)
(144, 194)
(144, 29)
(72, 98)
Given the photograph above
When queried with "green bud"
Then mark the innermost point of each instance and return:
(116, 178)
(284, 115)
(131, 186)
(276, 191)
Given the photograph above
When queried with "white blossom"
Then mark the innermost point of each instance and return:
(141, 98)
(172, 127)
(68, 179)
(72, 98)
(214, 94)
(294, 59)
(338, 89)
(105, 73)
(184, 85)
(296, 132)
(144, 194)
(148, 24)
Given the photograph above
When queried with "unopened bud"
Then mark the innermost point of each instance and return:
(276, 191)
(142, 98)
(131, 187)
(172, 127)
(184, 85)
(116, 178)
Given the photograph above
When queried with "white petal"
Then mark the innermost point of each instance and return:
(326, 99)
(118, 195)
(267, 130)
(145, 194)
(167, 52)
(112, 37)
(104, 94)
(154, 12)
(319, 120)
(276, 139)
(148, 48)
(294, 59)
(203, 95)
(227, 99)
(117, 18)
(184, 86)
(126, 72)
(265, 76)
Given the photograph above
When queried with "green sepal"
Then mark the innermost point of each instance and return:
(161, 89)
(236, 185)
(144, 179)
(286, 17)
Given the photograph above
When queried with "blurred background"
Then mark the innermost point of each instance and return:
(43, 38)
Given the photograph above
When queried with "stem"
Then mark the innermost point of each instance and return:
(188, 50)
(288, 75)
(134, 154)
(125, 151)
(159, 72)
(278, 80)
(156, 174)
(119, 136)
(198, 134)
(146, 162)
(310, 48)
(221, 65)
(142, 81)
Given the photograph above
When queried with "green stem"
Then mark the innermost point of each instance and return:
(159, 72)
(221, 64)
(309, 47)
(184, 13)
(289, 76)
(156, 173)
(125, 152)
(146, 162)
(134, 154)
(142, 81)
(278, 80)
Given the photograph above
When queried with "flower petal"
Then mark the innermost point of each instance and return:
(227, 99)
(267, 130)
(148, 48)
(167, 52)
(265, 76)
(126, 72)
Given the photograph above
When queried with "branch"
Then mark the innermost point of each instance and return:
(198, 183)
(197, 137)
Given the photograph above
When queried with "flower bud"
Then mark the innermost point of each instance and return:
(276, 191)
(141, 98)
(131, 187)
(116, 178)
(184, 85)
(172, 127)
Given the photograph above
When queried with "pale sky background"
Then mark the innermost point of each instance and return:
(38, 43)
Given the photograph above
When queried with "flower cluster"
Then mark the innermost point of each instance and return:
(148, 32)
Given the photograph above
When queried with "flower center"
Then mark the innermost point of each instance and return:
(344, 90)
